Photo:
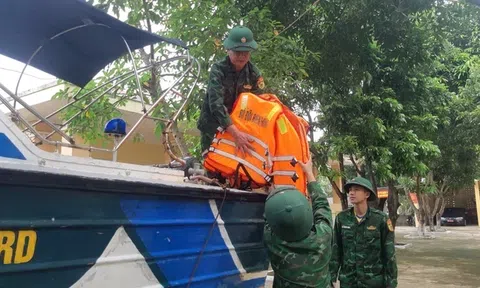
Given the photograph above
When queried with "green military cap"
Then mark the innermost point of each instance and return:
(365, 183)
(240, 38)
(289, 214)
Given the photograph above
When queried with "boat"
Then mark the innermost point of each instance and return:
(69, 221)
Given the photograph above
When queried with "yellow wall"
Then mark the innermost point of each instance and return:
(43, 128)
(140, 153)
(477, 199)
(135, 153)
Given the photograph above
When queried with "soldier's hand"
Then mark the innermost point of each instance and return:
(307, 166)
(242, 140)
(308, 170)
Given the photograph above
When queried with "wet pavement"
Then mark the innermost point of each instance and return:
(450, 260)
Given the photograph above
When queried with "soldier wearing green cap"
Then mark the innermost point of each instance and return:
(363, 242)
(229, 77)
(298, 235)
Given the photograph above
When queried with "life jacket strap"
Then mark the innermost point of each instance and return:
(258, 141)
(292, 174)
(293, 161)
(252, 152)
(265, 176)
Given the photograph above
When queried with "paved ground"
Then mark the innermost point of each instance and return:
(451, 260)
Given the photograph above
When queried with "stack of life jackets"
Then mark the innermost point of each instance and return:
(279, 144)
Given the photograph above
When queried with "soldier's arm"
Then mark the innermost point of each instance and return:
(389, 258)
(216, 101)
(322, 214)
(336, 260)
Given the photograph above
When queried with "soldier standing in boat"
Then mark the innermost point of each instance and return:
(363, 245)
(299, 235)
(229, 77)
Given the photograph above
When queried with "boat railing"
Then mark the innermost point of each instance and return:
(192, 65)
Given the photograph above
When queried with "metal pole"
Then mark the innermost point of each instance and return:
(34, 112)
(150, 110)
(136, 74)
(115, 142)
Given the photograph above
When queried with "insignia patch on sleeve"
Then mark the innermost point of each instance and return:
(389, 224)
(260, 83)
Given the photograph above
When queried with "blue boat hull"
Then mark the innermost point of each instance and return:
(71, 231)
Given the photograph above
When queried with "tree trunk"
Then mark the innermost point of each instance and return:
(431, 223)
(440, 212)
(434, 213)
(393, 202)
(343, 196)
(428, 211)
(310, 131)
(379, 203)
(339, 194)
(421, 210)
(358, 169)
(419, 213)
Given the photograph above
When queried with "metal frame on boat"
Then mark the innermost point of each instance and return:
(71, 221)
(191, 62)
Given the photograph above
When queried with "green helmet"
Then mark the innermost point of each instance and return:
(365, 183)
(240, 38)
(289, 214)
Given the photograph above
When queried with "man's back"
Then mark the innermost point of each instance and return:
(304, 263)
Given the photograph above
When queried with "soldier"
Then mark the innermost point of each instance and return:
(233, 75)
(298, 239)
(363, 242)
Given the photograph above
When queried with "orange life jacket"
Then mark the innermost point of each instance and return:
(279, 143)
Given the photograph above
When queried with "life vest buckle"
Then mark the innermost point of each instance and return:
(295, 177)
(293, 162)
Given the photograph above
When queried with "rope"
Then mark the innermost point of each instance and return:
(197, 262)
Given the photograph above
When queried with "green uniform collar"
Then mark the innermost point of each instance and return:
(353, 217)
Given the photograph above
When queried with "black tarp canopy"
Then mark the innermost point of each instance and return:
(76, 56)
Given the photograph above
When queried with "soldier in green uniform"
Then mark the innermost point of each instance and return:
(298, 235)
(363, 245)
(229, 77)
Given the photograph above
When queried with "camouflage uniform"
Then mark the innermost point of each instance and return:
(302, 262)
(363, 251)
(225, 84)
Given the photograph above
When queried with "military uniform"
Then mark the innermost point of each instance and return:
(223, 87)
(364, 251)
(300, 248)
(225, 84)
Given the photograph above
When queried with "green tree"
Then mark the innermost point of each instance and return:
(281, 58)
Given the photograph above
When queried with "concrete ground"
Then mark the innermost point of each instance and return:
(450, 260)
